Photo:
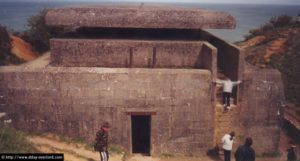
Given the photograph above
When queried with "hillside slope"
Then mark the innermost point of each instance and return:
(279, 48)
(22, 49)
(18, 52)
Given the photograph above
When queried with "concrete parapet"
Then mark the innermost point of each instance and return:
(128, 53)
(209, 59)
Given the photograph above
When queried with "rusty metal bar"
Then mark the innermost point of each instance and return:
(130, 58)
(154, 58)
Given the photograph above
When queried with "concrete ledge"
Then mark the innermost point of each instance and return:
(125, 53)
(139, 16)
(98, 70)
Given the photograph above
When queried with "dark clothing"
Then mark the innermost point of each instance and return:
(101, 142)
(227, 155)
(226, 98)
(291, 156)
(104, 156)
(244, 153)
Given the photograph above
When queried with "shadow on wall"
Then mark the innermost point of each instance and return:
(290, 130)
(214, 154)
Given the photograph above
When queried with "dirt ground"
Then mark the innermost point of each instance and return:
(49, 143)
(22, 49)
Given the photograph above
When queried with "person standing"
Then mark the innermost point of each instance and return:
(227, 141)
(227, 90)
(245, 152)
(291, 156)
(101, 142)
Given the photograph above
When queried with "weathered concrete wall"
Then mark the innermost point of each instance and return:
(76, 101)
(230, 57)
(209, 59)
(116, 53)
(261, 113)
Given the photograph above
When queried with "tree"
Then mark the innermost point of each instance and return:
(5, 45)
(6, 57)
(281, 21)
(39, 33)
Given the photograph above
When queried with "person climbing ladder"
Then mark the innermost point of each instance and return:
(227, 86)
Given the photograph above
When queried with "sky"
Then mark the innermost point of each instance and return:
(283, 2)
(287, 2)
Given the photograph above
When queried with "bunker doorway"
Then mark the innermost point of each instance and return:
(140, 126)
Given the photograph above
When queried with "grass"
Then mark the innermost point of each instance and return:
(14, 141)
(115, 149)
(68, 151)
(89, 145)
(167, 155)
(189, 155)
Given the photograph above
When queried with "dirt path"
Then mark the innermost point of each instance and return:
(23, 49)
(40, 62)
(255, 40)
(49, 143)
(274, 47)
(72, 151)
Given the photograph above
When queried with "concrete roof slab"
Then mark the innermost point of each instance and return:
(139, 16)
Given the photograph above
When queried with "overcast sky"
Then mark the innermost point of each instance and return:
(281, 2)
(289, 2)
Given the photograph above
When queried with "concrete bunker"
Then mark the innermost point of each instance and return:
(127, 63)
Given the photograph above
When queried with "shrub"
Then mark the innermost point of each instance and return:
(281, 21)
(288, 64)
(13, 141)
(5, 49)
(5, 45)
(268, 29)
(39, 34)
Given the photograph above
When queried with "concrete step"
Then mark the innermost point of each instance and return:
(220, 110)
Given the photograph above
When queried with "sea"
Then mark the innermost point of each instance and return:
(15, 13)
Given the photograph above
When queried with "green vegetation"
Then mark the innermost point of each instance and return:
(273, 29)
(167, 155)
(14, 141)
(70, 140)
(89, 145)
(287, 61)
(189, 155)
(6, 57)
(115, 149)
(288, 64)
(5, 44)
(39, 34)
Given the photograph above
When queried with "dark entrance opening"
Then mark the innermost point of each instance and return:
(141, 125)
